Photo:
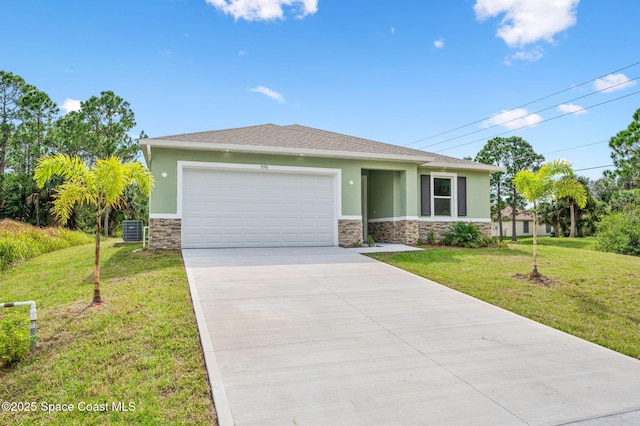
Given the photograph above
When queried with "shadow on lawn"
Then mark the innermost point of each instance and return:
(129, 260)
(593, 307)
(574, 243)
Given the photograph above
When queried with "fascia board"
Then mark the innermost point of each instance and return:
(248, 149)
(480, 167)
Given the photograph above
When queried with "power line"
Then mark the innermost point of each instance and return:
(575, 147)
(593, 168)
(544, 121)
(530, 114)
(526, 104)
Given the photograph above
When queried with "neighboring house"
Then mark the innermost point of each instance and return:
(524, 225)
(269, 185)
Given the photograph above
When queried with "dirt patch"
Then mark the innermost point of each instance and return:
(540, 280)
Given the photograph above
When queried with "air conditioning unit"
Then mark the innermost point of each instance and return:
(132, 230)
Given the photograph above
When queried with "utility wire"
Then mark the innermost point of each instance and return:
(575, 147)
(530, 114)
(592, 168)
(544, 121)
(526, 104)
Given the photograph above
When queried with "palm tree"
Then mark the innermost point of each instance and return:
(101, 186)
(553, 180)
(551, 213)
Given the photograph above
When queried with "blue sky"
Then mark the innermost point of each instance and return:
(397, 72)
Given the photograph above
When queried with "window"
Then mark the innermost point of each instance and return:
(525, 227)
(443, 194)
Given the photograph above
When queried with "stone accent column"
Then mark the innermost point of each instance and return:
(485, 227)
(165, 234)
(407, 231)
(349, 232)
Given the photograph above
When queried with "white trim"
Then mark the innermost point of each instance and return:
(393, 219)
(275, 150)
(343, 217)
(430, 219)
(454, 193)
(164, 216)
(480, 167)
(449, 219)
(265, 168)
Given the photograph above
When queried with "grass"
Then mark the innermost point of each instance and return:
(141, 346)
(593, 295)
(20, 241)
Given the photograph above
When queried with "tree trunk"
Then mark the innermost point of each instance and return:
(106, 221)
(514, 212)
(498, 200)
(534, 273)
(97, 301)
(3, 149)
(574, 226)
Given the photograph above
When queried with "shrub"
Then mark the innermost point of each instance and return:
(431, 238)
(14, 337)
(370, 241)
(620, 233)
(463, 234)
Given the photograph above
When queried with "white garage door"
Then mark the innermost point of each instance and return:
(250, 208)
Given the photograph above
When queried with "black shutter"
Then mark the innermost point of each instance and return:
(462, 196)
(425, 195)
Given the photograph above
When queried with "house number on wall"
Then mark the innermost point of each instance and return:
(264, 167)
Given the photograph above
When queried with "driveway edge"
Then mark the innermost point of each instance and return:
(223, 411)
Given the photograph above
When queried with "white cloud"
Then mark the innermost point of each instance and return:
(242, 53)
(393, 30)
(513, 119)
(264, 10)
(528, 21)
(613, 82)
(531, 55)
(268, 92)
(572, 109)
(70, 105)
(439, 43)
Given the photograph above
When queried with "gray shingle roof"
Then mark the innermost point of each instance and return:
(300, 137)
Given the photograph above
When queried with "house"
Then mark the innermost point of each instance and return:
(524, 225)
(269, 185)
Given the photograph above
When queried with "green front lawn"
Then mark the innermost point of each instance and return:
(593, 295)
(140, 348)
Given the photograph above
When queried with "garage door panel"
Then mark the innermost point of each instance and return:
(229, 208)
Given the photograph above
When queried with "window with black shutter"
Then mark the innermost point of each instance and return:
(425, 195)
(462, 196)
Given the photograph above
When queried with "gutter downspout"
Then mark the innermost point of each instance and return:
(33, 316)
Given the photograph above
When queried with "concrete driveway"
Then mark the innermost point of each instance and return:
(326, 336)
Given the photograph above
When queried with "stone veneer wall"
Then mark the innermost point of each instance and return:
(349, 232)
(165, 234)
(439, 228)
(394, 231)
(408, 231)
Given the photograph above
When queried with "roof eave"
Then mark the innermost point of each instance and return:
(479, 167)
(251, 149)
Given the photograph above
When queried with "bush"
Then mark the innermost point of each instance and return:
(620, 233)
(14, 337)
(431, 238)
(463, 234)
